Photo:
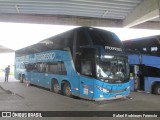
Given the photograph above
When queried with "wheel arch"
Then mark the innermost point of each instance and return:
(63, 82)
(154, 85)
(53, 80)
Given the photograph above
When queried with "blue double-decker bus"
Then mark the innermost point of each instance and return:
(144, 60)
(86, 62)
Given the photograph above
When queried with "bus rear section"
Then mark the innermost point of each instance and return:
(144, 60)
(144, 70)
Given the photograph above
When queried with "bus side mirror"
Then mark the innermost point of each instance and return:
(98, 72)
(131, 75)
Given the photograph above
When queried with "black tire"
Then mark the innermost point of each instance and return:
(55, 87)
(67, 90)
(157, 89)
(21, 78)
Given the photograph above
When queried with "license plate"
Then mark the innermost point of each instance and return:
(119, 96)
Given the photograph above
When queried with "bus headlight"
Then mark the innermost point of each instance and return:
(128, 88)
(102, 89)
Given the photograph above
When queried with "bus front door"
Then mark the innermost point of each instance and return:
(86, 79)
(139, 78)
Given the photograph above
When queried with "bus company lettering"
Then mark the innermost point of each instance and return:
(45, 56)
(113, 48)
(23, 58)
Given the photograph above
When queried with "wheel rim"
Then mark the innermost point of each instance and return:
(56, 88)
(68, 91)
(158, 90)
(21, 79)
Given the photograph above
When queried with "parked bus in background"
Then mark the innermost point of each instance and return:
(144, 60)
(86, 62)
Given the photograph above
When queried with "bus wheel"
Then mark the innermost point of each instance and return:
(67, 90)
(56, 87)
(157, 89)
(21, 78)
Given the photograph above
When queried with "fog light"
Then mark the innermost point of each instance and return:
(102, 89)
(101, 96)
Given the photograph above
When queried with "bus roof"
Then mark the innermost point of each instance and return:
(147, 45)
(146, 41)
(59, 42)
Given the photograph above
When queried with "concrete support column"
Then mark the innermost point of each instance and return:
(147, 10)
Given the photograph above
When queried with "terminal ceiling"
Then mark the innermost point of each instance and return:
(107, 13)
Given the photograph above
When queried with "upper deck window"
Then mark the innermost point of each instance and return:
(104, 38)
(154, 49)
(81, 39)
(144, 49)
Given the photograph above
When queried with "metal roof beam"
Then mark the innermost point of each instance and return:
(147, 10)
(62, 4)
(75, 2)
(5, 50)
(104, 1)
(65, 7)
(60, 20)
(72, 20)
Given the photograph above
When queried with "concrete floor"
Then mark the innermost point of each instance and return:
(15, 96)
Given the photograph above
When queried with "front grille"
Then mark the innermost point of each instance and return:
(116, 91)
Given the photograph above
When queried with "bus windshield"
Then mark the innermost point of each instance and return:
(113, 69)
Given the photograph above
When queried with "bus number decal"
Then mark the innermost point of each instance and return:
(47, 56)
(85, 89)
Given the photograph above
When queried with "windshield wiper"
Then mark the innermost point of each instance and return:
(118, 81)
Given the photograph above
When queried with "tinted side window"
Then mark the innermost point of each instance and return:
(149, 71)
(41, 67)
(53, 68)
(57, 68)
(63, 69)
(30, 67)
